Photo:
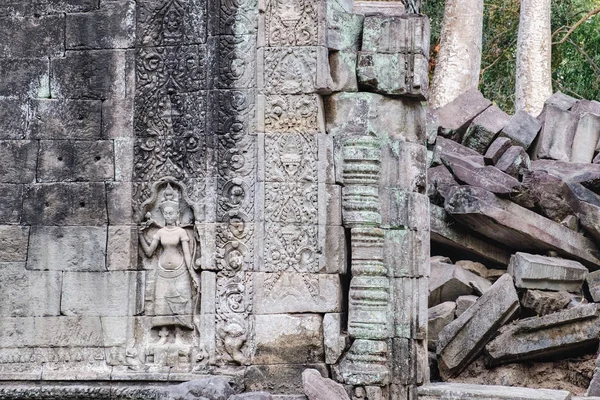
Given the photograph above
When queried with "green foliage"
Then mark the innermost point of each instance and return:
(575, 63)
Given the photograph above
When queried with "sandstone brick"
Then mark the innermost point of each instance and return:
(14, 240)
(123, 155)
(32, 36)
(97, 74)
(18, 158)
(112, 293)
(11, 198)
(119, 202)
(67, 248)
(122, 248)
(29, 293)
(24, 77)
(112, 26)
(76, 160)
(65, 332)
(285, 379)
(13, 119)
(65, 204)
(65, 119)
(117, 118)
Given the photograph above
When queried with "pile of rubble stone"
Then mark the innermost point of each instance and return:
(517, 199)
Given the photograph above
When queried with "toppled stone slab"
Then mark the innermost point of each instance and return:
(522, 129)
(318, 388)
(586, 138)
(484, 129)
(586, 174)
(513, 161)
(455, 117)
(556, 334)
(543, 303)
(586, 106)
(531, 271)
(496, 150)
(593, 281)
(447, 282)
(213, 388)
(463, 303)
(445, 146)
(548, 195)
(439, 181)
(461, 341)
(517, 227)
(561, 100)
(446, 231)
(556, 137)
(475, 267)
(439, 391)
(438, 317)
(489, 178)
(252, 396)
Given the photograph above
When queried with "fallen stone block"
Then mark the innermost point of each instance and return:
(489, 178)
(318, 388)
(556, 334)
(586, 138)
(477, 268)
(463, 303)
(594, 387)
(252, 396)
(513, 161)
(217, 388)
(439, 181)
(455, 117)
(440, 259)
(484, 129)
(517, 227)
(522, 129)
(556, 137)
(586, 106)
(593, 281)
(442, 391)
(547, 194)
(461, 341)
(543, 303)
(586, 174)
(496, 150)
(444, 230)
(447, 282)
(438, 317)
(445, 146)
(561, 100)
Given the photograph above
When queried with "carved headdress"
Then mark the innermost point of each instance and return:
(170, 198)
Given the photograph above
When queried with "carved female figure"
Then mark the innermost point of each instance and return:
(174, 275)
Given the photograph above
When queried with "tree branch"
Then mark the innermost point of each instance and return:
(581, 21)
(587, 57)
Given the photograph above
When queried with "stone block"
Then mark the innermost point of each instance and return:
(117, 118)
(55, 6)
(484, 129)
(448, 282)
(553, 335)
(542, 303)
(517, 227)
(409, 361)
(342, 66)
(410, 307)
(405, 252)
(400, 209)
(13, 114)
(343, 28)
(118, 331)
(334, 340)
(290, 292)
(110, 27)
(365, 113)
(334, 253)
(455, 117)
(586, 138)
(393, 74)
(461, 341)
(10, 203)
(449, 147)
(439, 316)
(51, 332)
(384, 7)
(119, 202)
(123, 155)
(475, 267)
(24, 77)
(531, 271)
(96, 75)
(285, 379)
(14, 240)
(253, 396)
(318, 388)
(65, 119)
(29, 293)
(496, 150)
(586, 174)
(593, 281)
(296, 70)
(276, 31)
(486, 177)
(439, 181)
(445, 231)
(586, 106)
(522, 129)
(65, 204)
(561, 100)
(404, 166)
(556, 137)
(288, 339)
(76, 161)
(18, 158)
(67, 248)
(463, 303)
(122, 248)
(439, 391)
(275, 112)
(513, 161)
(388, 34)
(32, 36)
(228, 71)
(112, 293)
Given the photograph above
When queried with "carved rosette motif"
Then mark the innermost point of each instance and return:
(293, 22)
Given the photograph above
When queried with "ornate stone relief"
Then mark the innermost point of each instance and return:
(291, 114)
(293, 22)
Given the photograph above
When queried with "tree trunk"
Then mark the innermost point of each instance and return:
(459, 59)
(534, 49)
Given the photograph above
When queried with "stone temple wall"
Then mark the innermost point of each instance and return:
(222, 187)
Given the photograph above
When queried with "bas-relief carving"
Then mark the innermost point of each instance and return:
(293, 22)
(171, 22)
(293, 113)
